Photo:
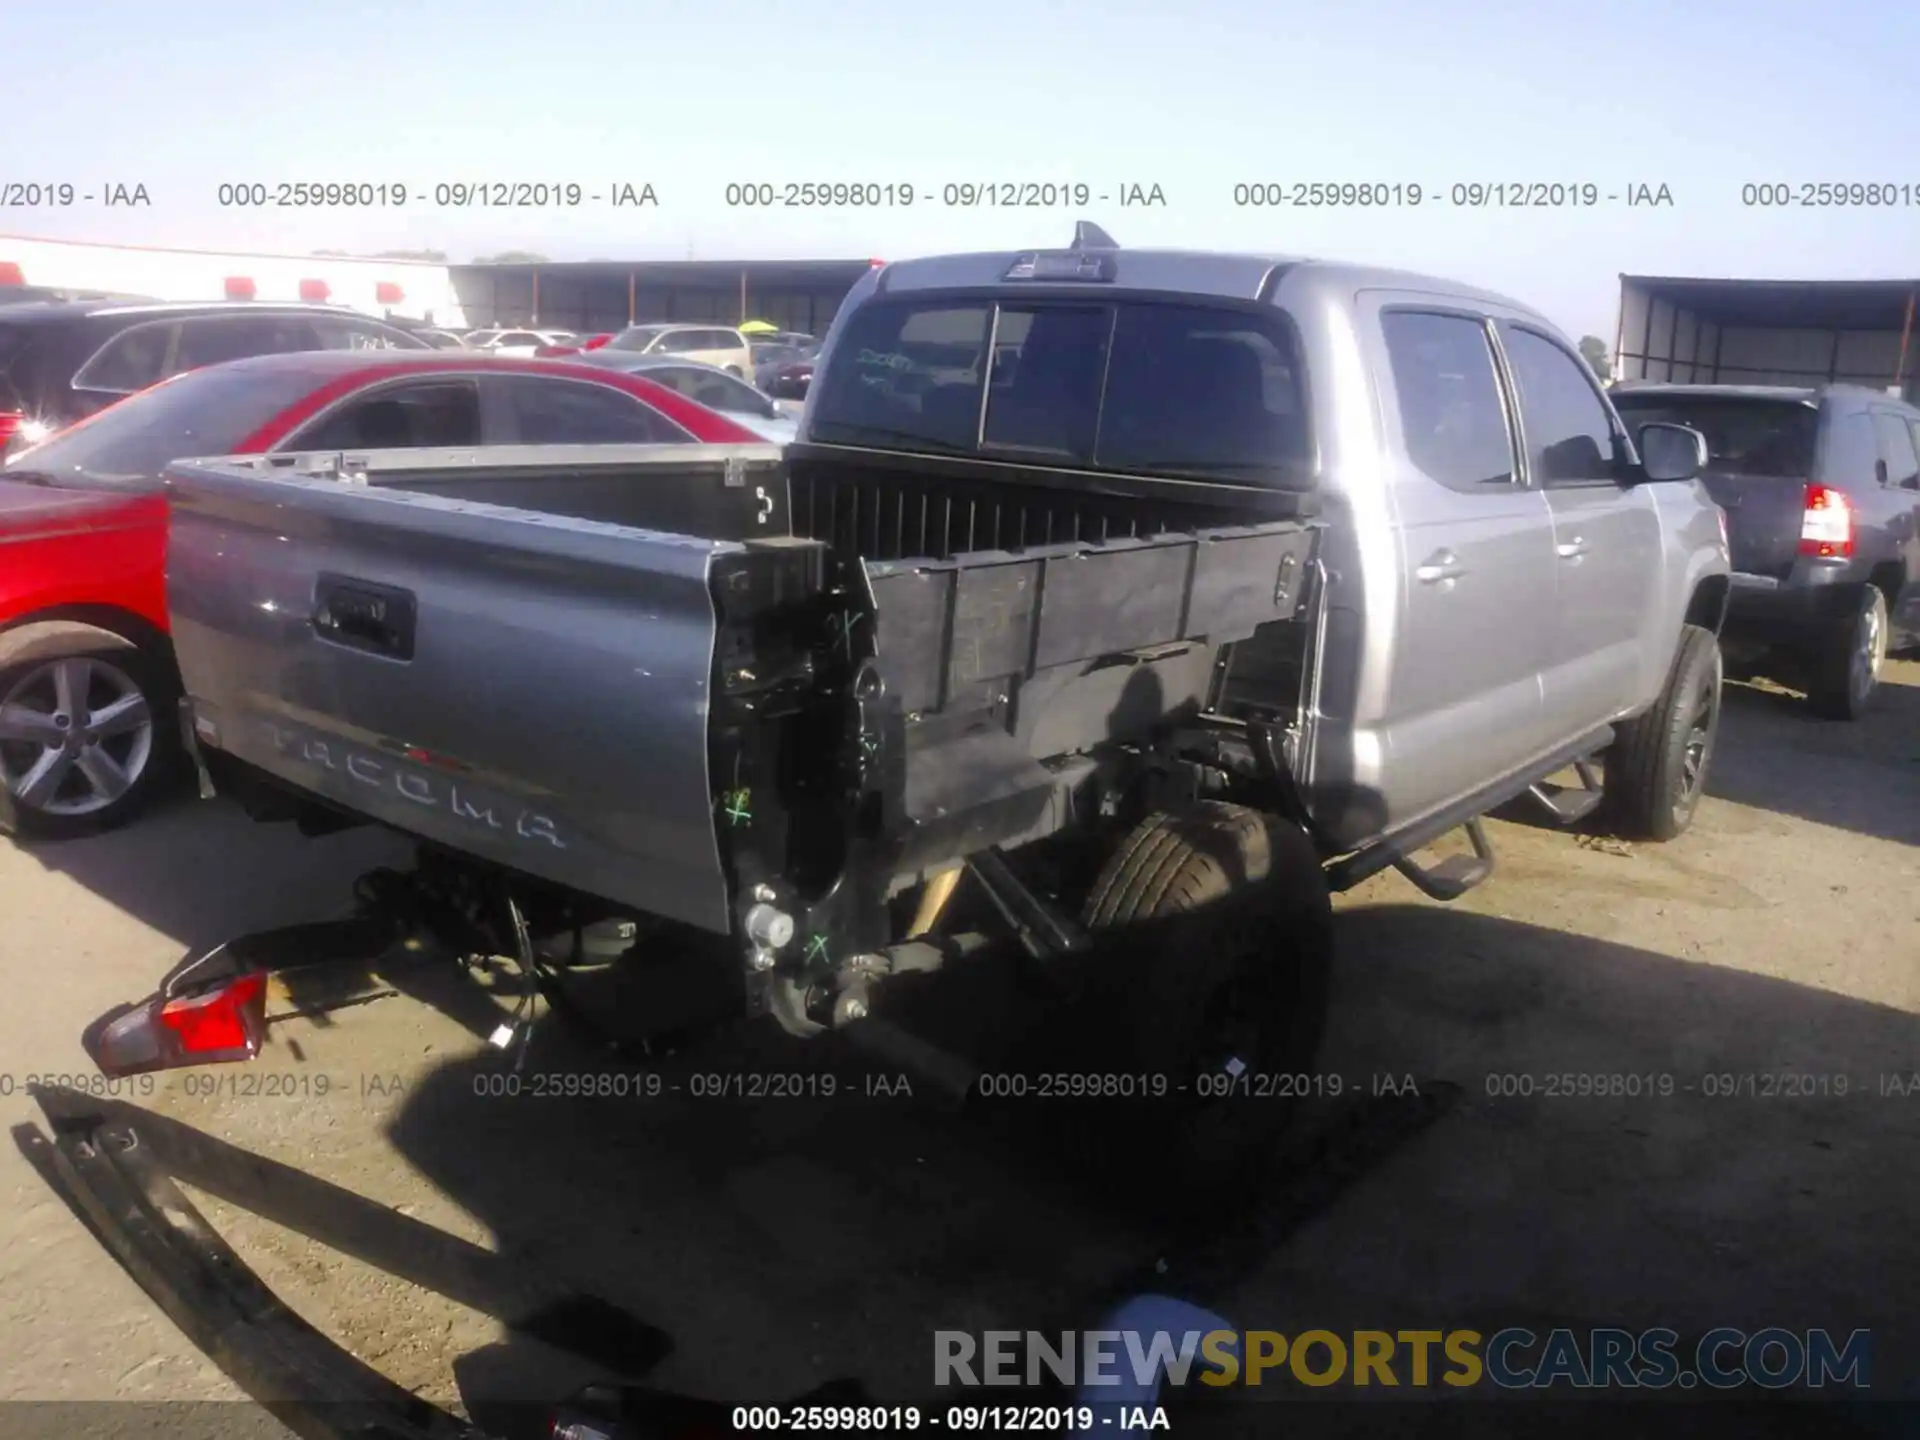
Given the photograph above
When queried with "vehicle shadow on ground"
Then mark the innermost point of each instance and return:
(1774, 754)
(1864, 776)
(199, 871)
(752, 1248)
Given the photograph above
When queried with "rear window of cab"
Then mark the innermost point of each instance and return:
(1134, 387)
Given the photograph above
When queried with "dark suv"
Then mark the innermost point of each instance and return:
(61, 361)
(1821, 489)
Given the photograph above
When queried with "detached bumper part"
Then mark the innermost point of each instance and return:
(311, 1385)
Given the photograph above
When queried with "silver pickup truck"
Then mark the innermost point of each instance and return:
(1122, 604)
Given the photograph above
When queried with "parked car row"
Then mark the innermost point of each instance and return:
(61, 361)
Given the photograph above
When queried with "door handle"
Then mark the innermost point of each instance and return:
(364, 615)
(1442, 565)
(1572, 549)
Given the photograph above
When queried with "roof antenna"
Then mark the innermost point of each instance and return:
(1089, 236)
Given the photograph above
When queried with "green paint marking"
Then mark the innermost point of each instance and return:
(817, 948)
(739, 809)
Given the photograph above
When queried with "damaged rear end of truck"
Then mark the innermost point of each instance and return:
(1007, 654)
(1030, 613)
(755, 694)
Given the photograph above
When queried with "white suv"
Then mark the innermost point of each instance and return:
(715, 345)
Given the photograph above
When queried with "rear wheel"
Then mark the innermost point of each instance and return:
(1846, 671)
(1213, 952)
(1656, 770)
(86, 741)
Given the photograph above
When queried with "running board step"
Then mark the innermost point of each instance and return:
(1453, 876)
(1564, 803)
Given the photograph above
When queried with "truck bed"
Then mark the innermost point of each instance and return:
(628, 670)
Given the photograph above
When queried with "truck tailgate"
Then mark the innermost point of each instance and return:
(529, 688)
(1763, 519)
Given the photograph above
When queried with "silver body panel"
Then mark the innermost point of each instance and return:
(552, 716)
(1426, 693)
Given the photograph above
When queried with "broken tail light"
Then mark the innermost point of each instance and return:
(1826, 523)
(226, 1021)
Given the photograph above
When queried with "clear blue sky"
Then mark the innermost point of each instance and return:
(1193, 96)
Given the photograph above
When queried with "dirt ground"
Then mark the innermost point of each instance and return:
(761, 1248)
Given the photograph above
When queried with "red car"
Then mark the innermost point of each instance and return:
(87, 682)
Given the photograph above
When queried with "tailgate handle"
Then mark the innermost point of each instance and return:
(364, 615)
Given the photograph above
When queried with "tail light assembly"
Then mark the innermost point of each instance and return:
(225, 1021)
(1826, 523)
(213, 1007)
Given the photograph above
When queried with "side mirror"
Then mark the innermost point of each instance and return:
(1670, 453)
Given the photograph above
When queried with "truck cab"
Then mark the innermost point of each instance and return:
(1502, 583)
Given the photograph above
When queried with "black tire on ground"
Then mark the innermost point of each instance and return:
(1844, 673)
(87, 799)
(1656, 768)
(1214, 947)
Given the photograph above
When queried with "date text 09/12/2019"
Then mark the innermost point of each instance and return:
(1456, 195)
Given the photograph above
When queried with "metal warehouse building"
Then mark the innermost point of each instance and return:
(588, 296)
(1767, 332)
(595, 295)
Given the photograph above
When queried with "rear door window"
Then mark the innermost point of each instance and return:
(1853, 453)
(341, 332)
(1452, 421)
(542, 411)
(1752, 436)
(1136, 387)
(137, 357)
(418, 415)
(1896, 447)
(214, 341)
(713, 390)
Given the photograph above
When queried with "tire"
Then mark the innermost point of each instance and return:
(1844, 674)
(1213, 956)
(52, 786)
(1656, 768)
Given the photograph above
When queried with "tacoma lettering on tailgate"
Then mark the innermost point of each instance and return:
(465, 801)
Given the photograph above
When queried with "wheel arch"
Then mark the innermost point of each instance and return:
(1889, 577)
(58, 630)
(1707, 605)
